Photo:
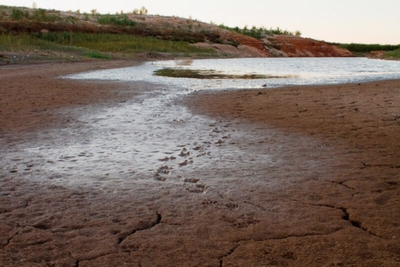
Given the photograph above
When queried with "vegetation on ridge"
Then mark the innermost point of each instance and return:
(366, 48)
(260, 32)
(74, 36)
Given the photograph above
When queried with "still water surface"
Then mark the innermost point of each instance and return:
(300, 71)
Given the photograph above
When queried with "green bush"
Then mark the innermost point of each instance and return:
(119, 20)
(94, 54)
(42, 15)
(17, 14)
(366, 48)
(260, 32)
(393, 54)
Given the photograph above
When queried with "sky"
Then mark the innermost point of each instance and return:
(342, 21)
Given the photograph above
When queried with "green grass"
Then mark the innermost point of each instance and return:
(119, 20)
(9, 42)
(118, 43)
(97, 55)
(95, 45)
(391, 51)
(260, 32)
(40, 14)
(366, 48)
(393, 54)
(28, 43)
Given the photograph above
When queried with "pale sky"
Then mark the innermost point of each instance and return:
(344, 21)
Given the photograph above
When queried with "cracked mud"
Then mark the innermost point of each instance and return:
(316, 182)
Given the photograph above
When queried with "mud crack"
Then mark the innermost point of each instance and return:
(357, 224)
(230, 252)
(346, 216)
(76, 260)
(11, 238)
(144, 226)
(343, 184)
(367, 165)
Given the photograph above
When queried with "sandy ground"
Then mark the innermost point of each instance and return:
(329, 194)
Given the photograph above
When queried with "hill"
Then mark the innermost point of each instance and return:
(41, 34)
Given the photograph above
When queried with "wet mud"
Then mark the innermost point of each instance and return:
(302, 176)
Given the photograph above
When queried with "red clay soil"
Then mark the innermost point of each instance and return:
(252, 42)
(294, 46)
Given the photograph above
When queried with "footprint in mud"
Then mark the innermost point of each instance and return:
(191, 180)
(196, 188)
(29, 167)
(186, 162)
(208, 202)
(242, 221)
(161, 172)
(245, 221)
(160, 178)
(184, 152)
(168, 158)
(201, 150)
(232, 205)
(219, 142)
(85, 154)
(216, 130)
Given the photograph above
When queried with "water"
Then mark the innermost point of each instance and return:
(150, 138)
(301, 71)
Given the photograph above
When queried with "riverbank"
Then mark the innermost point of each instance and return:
(328, 194)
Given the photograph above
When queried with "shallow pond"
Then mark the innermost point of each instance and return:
(289, 71)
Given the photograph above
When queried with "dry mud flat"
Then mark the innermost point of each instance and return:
(328, 194)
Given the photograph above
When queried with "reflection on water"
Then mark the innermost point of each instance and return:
(150, 138)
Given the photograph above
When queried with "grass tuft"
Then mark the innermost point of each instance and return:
(119, 20)
(393, 54)
(97, 55)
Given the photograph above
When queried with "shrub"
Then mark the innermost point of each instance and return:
(42, 15)
(366, 48)
(17, 14)
(260, 32)
(119, 20)
(94, 54)
(393, 54)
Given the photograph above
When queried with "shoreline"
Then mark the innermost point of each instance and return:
(327, 194)
(357, 116)
(37, 92)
